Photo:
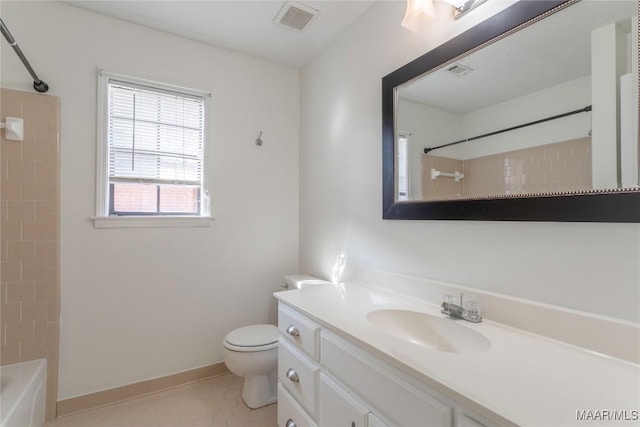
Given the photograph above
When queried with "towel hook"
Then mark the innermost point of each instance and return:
(259, 140)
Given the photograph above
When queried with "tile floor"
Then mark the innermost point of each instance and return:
(209, 403)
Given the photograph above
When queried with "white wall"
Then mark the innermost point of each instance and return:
(592, 267)
(568, 96)
(429, 127)
(435, 127)
(143, 303)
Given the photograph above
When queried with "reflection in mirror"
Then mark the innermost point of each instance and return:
(552, 108)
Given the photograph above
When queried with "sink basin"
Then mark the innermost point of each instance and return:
(429, 331)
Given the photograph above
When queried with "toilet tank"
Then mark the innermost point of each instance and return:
(297, 281)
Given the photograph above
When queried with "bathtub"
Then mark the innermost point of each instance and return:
(22, 394)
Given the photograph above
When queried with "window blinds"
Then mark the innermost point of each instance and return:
(154, 135)
(403, 167)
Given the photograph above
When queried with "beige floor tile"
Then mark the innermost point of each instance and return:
(209, 403)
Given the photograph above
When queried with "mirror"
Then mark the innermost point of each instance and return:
(531, 115)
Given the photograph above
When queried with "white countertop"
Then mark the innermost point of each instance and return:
(526, 379)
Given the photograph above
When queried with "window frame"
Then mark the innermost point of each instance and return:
(103, 216)
(158, 212)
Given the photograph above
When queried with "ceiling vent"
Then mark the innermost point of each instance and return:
(295, 15)
(459, 70)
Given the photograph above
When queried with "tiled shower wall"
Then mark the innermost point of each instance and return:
(563, 166)
(29, 229)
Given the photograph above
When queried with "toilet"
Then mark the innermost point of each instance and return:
(251, 352)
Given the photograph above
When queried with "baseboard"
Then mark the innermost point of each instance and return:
(130, 391)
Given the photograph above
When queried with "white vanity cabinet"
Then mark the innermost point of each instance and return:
(338, 407)
(290, 413)
(298, 369)
(326, 380)
(383, 386)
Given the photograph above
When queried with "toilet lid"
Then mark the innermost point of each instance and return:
(253, 336)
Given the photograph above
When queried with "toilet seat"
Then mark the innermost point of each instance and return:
(252, 338)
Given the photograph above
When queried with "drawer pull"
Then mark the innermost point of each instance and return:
(293, 376)
(290, 423)
(293, 331)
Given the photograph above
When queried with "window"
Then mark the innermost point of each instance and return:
(403, 167)
(152, 149)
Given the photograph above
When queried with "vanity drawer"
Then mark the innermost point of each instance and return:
(300, 330)
(380, 385)
(299, 375)
(290, 413)
(337, 407)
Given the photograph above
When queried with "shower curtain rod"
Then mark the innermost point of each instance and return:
(546, 119)
(38, 84)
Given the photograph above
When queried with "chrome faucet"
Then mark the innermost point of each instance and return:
(457, 311)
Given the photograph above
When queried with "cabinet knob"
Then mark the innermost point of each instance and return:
(293, 376)
(293, 331)
(290, 423)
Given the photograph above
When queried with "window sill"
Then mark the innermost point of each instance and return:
(151, 221)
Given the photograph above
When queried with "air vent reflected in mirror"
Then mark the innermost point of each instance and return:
(296, 16)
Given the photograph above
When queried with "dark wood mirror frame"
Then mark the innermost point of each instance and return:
(603, 206)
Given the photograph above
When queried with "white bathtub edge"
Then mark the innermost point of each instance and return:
(22, 389)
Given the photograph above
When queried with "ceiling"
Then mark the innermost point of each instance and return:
(244, 26)
(553, 51)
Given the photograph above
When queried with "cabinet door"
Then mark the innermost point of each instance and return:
(339, 408)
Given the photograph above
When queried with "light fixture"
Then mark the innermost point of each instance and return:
(421, 10)
(417, 10)
(462, 7)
